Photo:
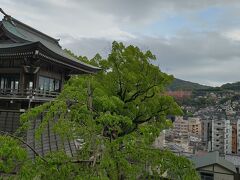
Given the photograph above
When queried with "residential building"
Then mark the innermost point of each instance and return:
(238, 135)
(180, 128)
(186, 127)
(194, 126)
(234, 138)
(221, 136)
(212, 166)
(206, 132)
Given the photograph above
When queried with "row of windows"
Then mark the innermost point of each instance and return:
(48, 84)
(10, 81)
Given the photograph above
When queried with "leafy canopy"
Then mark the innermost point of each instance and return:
(117, 113)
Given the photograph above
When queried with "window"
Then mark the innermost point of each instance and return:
(9, 81)
(51, 84)
(2, 83)
(48, 84)
(16, 84)
(30, 85)
(56, 85)
(206, 176)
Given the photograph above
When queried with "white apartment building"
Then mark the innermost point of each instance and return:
(221, 136)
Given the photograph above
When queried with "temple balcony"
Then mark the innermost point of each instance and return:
(32, 95)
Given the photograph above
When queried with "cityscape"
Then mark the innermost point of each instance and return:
(119, 90)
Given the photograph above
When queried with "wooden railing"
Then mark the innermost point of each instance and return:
(27, 93)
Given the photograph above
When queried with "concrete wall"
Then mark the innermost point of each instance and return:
(223, 177)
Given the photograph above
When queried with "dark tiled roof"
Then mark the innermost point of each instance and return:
(23, 33)
(9, 121)
(48, 142)
(12, 45)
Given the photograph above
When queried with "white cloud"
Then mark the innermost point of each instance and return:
(233, 34)
(66, 17)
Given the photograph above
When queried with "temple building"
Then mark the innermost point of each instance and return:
(33, 69)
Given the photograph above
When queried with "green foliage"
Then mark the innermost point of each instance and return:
(58, 166)
(12, 156)
(117, 113)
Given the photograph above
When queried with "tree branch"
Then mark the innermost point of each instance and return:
(147, 97)
(139, 93)
(25, 143)
(150, 117)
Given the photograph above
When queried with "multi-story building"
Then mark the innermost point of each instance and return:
(180, 128)
(194, 126)
(221, 136)
(206, 132)
(183, 128)
(219, 133)
(238, 135)
(234, 138)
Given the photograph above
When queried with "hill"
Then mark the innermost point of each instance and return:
(183, 85)
(231, 86)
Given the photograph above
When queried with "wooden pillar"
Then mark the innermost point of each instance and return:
(22, 81)
(63, 75)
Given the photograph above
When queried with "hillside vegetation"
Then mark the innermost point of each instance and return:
(179, 84)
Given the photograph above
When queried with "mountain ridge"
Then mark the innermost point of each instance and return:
(183, 85)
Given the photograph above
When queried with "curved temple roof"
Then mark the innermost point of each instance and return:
(23, 35)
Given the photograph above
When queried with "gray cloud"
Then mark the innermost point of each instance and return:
(88, 46)
(207, 52)
(208, 58)
(125, 11)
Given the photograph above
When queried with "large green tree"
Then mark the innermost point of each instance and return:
(117, 113)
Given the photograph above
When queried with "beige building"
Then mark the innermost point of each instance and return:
(194, 126)
(180, 127)
(183, 128)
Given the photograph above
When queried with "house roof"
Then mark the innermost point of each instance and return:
(23, 34)
(212, 158)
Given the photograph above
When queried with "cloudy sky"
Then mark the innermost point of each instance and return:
(195, 40)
